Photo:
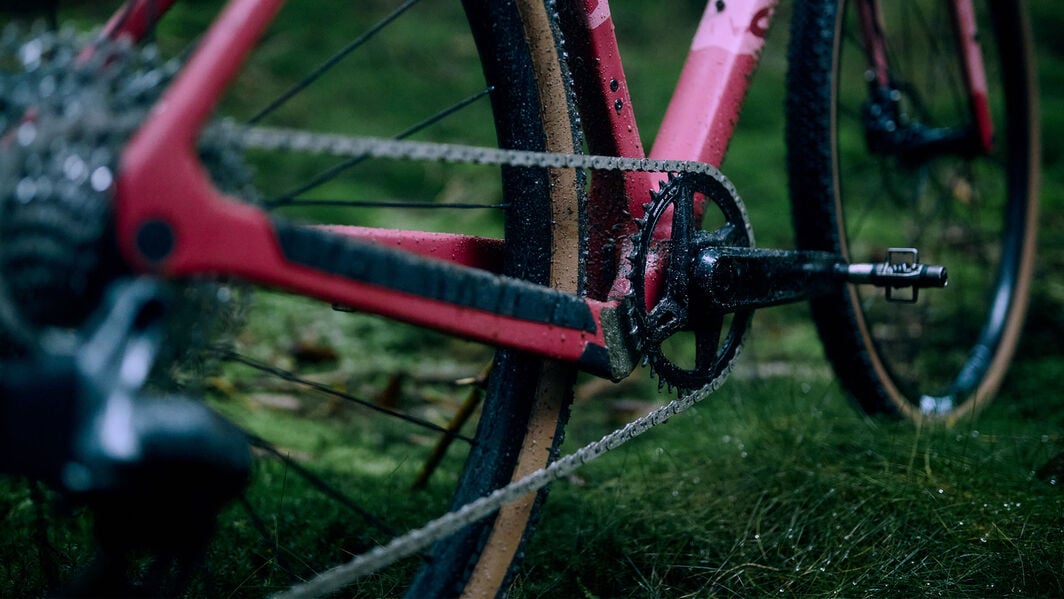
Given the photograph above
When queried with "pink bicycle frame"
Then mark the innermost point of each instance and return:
(164, 191)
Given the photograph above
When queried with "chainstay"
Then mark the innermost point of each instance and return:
(294, 140)
(336, 578)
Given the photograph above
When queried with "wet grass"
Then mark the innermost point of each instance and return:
(777, 486)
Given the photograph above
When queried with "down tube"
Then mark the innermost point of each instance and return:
(704, 109)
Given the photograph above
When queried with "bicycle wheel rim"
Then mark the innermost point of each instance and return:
(892, 360)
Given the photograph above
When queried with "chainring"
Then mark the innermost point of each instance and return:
(718, 337)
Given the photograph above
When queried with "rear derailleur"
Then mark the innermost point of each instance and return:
(154, 470)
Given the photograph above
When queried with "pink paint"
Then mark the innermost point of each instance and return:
(704, 109)
(598, 15)
(476, 252)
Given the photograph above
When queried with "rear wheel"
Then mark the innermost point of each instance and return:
(864, 178)
(537, 211)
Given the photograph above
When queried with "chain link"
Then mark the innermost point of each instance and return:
(294, 140)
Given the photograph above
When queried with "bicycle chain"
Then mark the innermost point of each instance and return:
(278, 139)
(679, 172)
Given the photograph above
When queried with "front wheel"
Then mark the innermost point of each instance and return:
(862, 182)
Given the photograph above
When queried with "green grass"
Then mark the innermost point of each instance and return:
(778, 487)
(775, 485)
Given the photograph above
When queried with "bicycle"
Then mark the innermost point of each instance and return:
(587, 276)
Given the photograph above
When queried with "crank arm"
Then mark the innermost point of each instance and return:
(728, 279)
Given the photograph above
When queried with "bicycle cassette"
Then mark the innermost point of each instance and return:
(665, 305)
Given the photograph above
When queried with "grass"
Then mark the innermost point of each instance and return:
(774, 486)
(788, 490)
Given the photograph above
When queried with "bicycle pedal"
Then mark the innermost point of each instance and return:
(901, 270)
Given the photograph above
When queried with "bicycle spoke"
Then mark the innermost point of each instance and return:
(294, 378)
(291, 196)
(332, 62)
(318, 483)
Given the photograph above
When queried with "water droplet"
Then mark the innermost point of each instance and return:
(940, 491)
(26, 190)
(101, 178)
(31, 54)
(975, 434)
(74, 168)
(27, 132)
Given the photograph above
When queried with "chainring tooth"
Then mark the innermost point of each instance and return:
(679, 187)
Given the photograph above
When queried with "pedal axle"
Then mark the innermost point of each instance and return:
(901, 270)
